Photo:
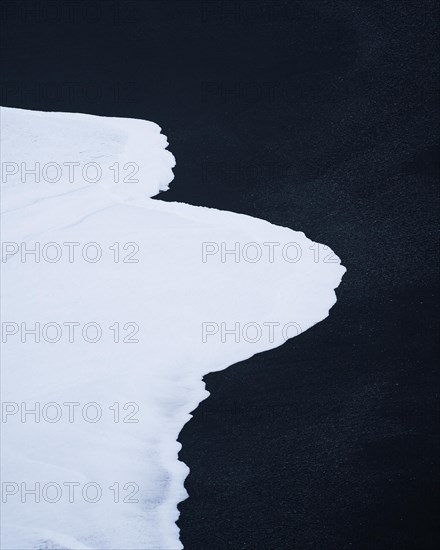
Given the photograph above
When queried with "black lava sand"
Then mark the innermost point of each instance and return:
(320, 116)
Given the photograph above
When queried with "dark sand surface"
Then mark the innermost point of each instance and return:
(317, 115)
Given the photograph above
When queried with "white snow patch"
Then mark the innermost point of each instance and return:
(170, 293)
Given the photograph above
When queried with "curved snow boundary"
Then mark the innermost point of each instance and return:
(64, 152)
(170, 293)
